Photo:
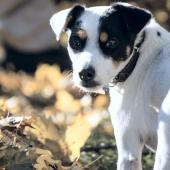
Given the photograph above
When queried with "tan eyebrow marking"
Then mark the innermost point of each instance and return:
(82, 34)
(103, 36)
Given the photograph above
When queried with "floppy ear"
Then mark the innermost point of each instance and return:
(135, 18)
(65, 19)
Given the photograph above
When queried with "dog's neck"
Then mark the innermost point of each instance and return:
(128, 69)
(156, 38)
(152, 37)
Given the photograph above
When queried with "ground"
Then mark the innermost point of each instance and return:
(47, 124)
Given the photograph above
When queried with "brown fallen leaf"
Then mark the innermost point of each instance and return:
(101, 102)
(78, 132)
(49, 74)
(66, 102)
(47, 133)
(45, 161)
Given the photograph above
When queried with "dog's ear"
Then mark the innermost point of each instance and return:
(134, 18)
(65, 19)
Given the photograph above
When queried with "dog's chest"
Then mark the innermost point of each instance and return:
(137, 103)
(133, 111)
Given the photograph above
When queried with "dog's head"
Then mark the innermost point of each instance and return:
(101, 40)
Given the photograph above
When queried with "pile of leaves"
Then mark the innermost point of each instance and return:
(44, 121)
(46, 124)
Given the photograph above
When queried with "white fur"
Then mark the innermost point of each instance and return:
(140, 107)
(57, 22)
(138, 112)
(92, 54)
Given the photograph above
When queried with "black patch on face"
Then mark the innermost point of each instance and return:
(76, 41)
(73, 15)
(109, 44)
(122, 24)
(158, 34)
(118, 37)
(134, 17)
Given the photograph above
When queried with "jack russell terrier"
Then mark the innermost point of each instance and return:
(124, 45)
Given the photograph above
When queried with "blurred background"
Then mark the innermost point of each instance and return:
(45, 123)
(27, 40)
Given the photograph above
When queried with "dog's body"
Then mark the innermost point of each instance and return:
(139, 107)
(140, 99)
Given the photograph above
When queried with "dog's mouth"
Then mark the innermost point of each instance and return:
(93, 86)
(90, 84)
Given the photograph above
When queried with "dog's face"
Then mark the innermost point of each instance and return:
(101, 40)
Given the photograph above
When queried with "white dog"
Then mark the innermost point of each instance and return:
(123, 44)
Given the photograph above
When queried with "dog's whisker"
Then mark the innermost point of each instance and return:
(69, 76)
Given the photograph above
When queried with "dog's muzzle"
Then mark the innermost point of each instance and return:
(87, 76)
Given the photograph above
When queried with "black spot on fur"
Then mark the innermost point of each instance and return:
(158, 34)
(134, 17)
(122, 24)
(73, 15)
(76, 42)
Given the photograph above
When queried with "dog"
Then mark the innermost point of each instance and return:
(123, 48)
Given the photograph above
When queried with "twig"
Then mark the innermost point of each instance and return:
(97, 148)
(13, 121)
(91, 163)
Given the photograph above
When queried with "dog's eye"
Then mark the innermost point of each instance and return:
(77, 43)
(111, 44)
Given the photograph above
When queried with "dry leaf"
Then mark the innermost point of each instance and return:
(101, 102)
(45, 161)
(9, 81)
(78, 132)
(50, 74)
(66, 102)
(47, 133)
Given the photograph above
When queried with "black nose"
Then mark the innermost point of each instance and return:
(87, 74)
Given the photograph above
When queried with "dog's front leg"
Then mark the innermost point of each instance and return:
(128, 140)
(162, 160)
(129, 150)
(129, 143)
